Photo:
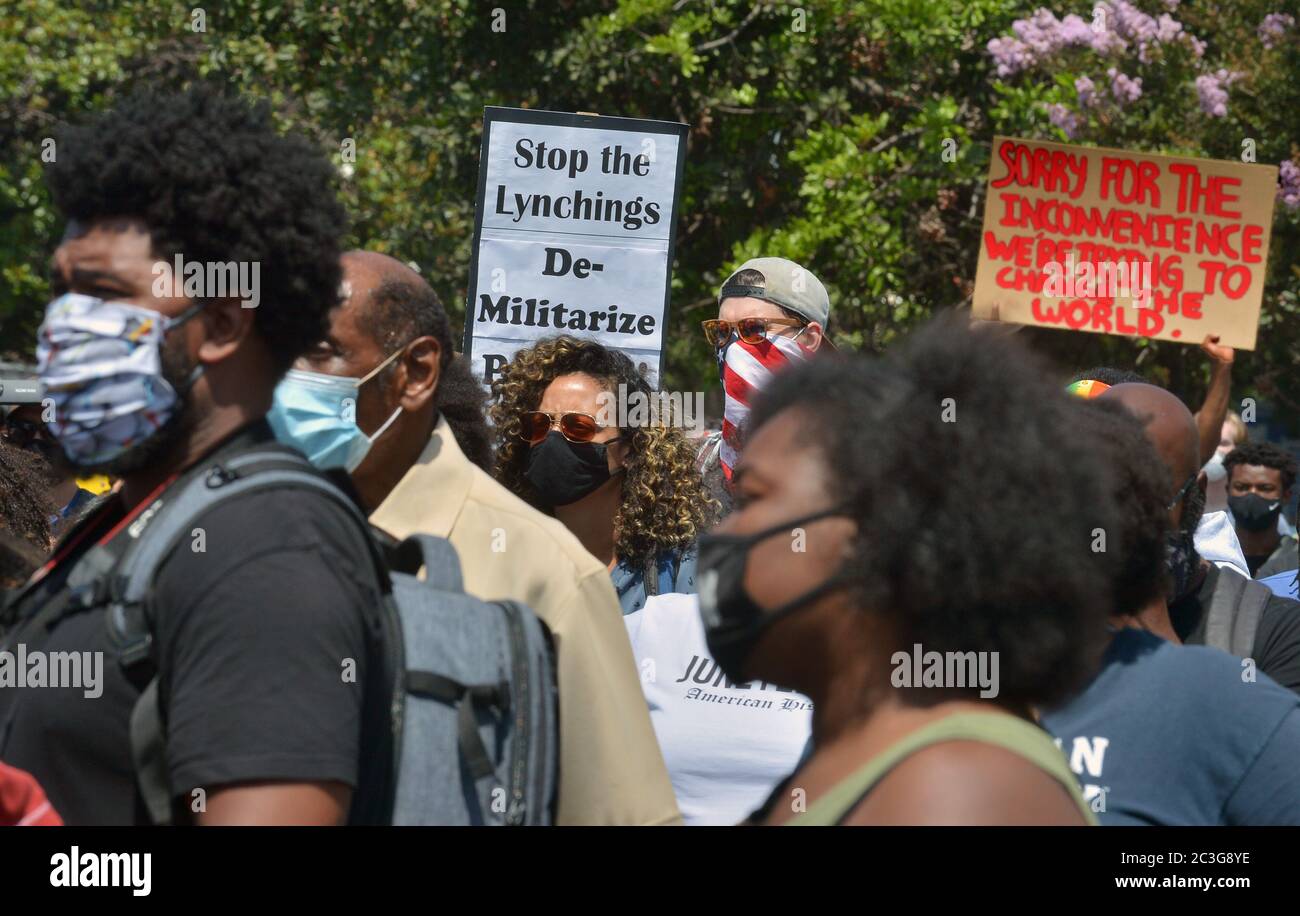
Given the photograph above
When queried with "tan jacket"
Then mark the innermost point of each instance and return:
(611, 769)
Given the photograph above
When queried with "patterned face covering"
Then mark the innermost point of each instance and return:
(101, 364)
(745, 368)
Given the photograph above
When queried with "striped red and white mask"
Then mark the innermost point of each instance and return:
(746, 368)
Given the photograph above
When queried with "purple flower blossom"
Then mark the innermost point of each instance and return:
(1011, 55)
(1288, 184)
(1212, 92)
(1117, 26)
(1124, 89)
(1168, 29)
(1274, 26)
(1087, 90)
(1041, 32)
(1061, 116)
(1074, 32)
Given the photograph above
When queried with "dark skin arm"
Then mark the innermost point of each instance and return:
(1209, 419)
(967, 783)
(322, 804)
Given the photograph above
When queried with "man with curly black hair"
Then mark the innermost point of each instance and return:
(163, 382)
(1261, 477)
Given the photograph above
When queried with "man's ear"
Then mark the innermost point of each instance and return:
(417, 379)
(225, 324)
(811, 336)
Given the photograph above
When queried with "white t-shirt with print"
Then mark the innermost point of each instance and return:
(726, 745)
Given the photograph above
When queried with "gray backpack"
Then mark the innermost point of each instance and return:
(1233, 617)
(469, 718)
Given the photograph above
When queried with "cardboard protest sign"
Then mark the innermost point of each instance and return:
(573, 234)
(1118, 242)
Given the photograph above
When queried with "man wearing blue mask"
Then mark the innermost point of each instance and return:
(383, 395)
(160, 373)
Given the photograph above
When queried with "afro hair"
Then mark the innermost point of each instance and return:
(977, 504)
(214, 181)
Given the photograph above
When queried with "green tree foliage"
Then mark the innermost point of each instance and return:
(817, 132)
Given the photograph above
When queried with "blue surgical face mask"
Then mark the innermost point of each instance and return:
(317, 414)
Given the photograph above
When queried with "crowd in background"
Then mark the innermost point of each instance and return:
(726, 613)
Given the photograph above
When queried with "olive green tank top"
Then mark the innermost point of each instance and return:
(999, 729)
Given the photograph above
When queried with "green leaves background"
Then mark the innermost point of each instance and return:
(823, 144)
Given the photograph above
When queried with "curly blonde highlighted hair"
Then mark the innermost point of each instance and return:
(664, 504)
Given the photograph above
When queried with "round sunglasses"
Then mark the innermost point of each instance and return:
(535, 426)
(751, 330)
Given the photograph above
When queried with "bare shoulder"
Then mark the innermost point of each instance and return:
(968, 783)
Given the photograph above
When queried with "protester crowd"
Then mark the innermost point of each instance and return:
(942, 586)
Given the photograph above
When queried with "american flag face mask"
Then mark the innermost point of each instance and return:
(745, 369)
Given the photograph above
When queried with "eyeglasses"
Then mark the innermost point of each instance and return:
(535, 426)
(751, 330)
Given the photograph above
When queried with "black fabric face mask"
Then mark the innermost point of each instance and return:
(733, 622)
(1253, 512)
(563, 472)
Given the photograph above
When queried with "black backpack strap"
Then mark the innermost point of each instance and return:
(467, 699)
(516, 808)
(129, 619)
(1235, 609)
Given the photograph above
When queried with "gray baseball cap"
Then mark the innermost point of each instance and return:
(783, 283)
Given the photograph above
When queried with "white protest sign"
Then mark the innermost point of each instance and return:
(573, 234)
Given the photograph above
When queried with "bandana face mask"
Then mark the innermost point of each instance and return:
(101, 364)
(745, 369)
